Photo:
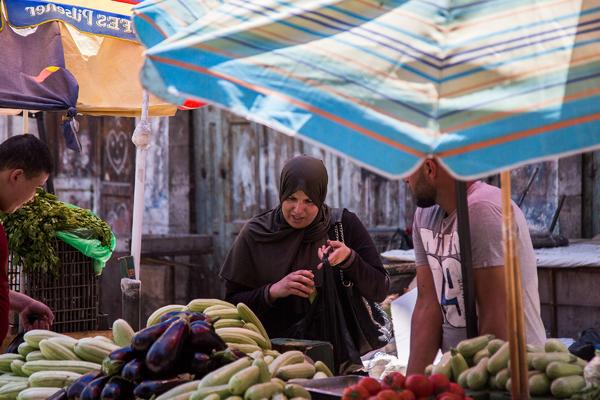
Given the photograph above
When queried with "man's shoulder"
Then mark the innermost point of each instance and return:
(485, 197)
(425, 216)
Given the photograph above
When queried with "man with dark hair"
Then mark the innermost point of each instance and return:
(25, 164)
(438, 320)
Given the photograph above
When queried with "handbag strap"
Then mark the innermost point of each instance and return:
(338, 229)
(339, 236)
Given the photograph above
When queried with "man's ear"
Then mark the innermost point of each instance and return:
(15, 174)
(430, 168)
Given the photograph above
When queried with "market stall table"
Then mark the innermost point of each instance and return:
(568, 280)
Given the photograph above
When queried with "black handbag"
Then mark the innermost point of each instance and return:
(342, 316)
(369, 325)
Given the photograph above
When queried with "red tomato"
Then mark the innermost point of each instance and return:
(387, 394)
(448, 396)
(419, 385)
(468, 398)
(440, 383)
(394, 380)
(456, 389)
(372, 385)
(406, 395)
(355, 392)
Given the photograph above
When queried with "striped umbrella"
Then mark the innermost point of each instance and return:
(482, 86)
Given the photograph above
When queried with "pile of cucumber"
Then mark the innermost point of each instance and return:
(482, 363)
(254, 377)
(48, 362)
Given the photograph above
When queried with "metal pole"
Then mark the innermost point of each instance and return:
(131, 302)
(464, 236)
(141, 139)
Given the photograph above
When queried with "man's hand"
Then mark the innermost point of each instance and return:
(298, 283)
(36, 315)
(338, 252)
(426, 324)
(32, 313)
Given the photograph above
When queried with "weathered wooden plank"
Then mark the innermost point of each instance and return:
(244, 170)
(179, 175)
(570, 186)
(591, 194)
(176, 244)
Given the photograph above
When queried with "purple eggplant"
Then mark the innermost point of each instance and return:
(192, 316)
(201, 364)
(117, 388)
(74, 391)
(165, 351)
(93, 390)
(124, 354)
(226, 356)
(134, 370)
(60, 395)
(204, 339)
(147, 389)
(115, 361)
(171, 314)
(196, 316)
(142, 340)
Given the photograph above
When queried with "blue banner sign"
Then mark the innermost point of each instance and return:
(100, 20)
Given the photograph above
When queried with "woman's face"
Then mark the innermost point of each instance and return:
(298, 210)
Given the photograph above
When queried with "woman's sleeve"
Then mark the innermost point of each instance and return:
(236, 289)
(257, 299)
(364, 266)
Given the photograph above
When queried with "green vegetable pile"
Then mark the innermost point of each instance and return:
(31, 231)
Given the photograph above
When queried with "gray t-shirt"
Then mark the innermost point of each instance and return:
(436, 245)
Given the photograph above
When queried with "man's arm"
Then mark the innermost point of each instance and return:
(41, 316)
(490, 288)
(426, 324)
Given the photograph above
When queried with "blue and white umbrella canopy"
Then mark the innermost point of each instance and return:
(480, 85)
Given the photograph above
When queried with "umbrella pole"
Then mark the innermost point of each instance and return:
(25, 121)
(141, 139)
(514, 298)
(466, 264)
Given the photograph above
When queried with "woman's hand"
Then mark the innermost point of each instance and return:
(298, 283)
(338, 252)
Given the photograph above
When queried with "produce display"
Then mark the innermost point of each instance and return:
(31, 230)
(395, 386)
(483, 363)
(185, 352)
(178, 346)
(47, 362)
(237, 325)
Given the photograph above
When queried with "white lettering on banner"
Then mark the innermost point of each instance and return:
(101, 21)
(443, 256)
(87, 16)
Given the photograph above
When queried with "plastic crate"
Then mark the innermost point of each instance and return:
(73, 295)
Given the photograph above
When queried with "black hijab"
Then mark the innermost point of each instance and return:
(268, 248)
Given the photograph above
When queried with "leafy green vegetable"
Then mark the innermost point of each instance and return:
(31, 230)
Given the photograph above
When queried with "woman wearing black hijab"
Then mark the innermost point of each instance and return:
(269, 267)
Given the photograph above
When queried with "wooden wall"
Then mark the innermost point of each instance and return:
(237, 166)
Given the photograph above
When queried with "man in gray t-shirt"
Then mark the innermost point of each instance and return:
(439, 318)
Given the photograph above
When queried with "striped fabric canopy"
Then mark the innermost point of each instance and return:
(480, 85)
